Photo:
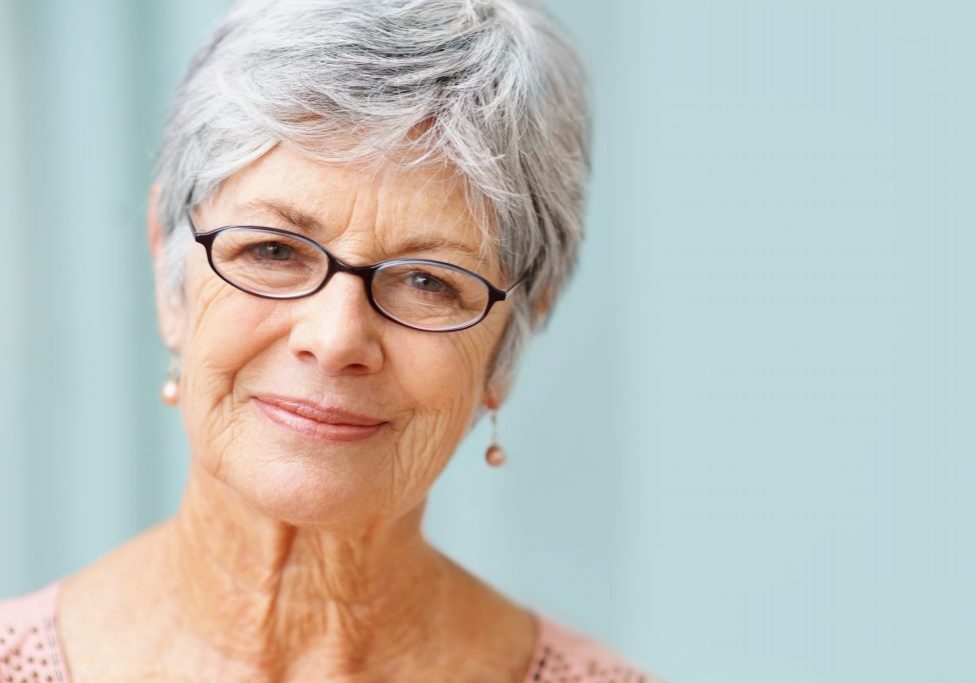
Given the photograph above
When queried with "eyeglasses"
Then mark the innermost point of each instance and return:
(421, 294)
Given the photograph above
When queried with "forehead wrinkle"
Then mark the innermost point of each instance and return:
(309, 225)
(305, 222)
(448, 192)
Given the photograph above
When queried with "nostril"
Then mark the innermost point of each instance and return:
(337, 331)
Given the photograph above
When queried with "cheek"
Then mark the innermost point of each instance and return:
(438, 380)
(442, 369)
(226, 330)
(230, 327)
(226, 326)
(442, 380)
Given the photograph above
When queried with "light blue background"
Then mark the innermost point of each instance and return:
(743, 450)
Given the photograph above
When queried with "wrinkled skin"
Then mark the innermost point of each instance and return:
(293, 559)
(331, 347)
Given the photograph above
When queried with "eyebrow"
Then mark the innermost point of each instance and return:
(311, 226)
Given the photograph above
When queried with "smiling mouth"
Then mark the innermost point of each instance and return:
(333, 431)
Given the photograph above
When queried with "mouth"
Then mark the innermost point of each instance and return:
(316, 422)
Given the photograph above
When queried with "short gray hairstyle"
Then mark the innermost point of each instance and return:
(492, 85)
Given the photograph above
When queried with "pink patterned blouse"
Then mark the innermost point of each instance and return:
(31, 649)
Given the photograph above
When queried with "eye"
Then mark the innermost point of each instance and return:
(427, 283)
(272, 251)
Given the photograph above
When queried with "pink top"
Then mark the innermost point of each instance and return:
(31, 650)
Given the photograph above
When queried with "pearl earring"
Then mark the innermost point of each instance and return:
(495, 456)
(171, 388)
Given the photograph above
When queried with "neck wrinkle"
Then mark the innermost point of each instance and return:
(265, 593)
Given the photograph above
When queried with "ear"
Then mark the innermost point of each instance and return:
(542, 308)
(496, 391)
(170, 315)
(495, 395)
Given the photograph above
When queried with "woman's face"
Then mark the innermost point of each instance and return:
(241, 353)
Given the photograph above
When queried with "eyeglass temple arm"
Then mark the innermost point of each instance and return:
(516, 285)
(528, 275)
(186, 209)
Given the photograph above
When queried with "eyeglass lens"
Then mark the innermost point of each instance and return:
(419, 294)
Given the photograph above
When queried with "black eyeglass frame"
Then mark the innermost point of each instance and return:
(337, 265)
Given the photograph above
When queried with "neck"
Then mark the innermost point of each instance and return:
(264, 593)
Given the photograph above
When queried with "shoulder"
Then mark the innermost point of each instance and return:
(564, 654)
(29, 646)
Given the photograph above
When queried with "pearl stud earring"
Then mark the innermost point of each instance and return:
(171, 388)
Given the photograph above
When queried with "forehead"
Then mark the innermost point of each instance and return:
(385, 200)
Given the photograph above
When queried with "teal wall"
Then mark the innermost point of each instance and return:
(743, 451)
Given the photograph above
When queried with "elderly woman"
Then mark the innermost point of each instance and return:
(362, 211)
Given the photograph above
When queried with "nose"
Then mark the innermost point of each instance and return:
(337, 329)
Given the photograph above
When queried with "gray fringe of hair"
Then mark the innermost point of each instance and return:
(492, 86)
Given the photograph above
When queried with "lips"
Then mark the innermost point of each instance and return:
(326, 414)
(315, 421)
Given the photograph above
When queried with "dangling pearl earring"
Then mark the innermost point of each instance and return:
(495, 456)
(171, 388)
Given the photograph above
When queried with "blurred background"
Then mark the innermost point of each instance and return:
(742, 452)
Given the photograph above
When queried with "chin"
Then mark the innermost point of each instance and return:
(303, 490)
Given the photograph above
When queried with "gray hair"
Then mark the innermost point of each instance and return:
(492, 86)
